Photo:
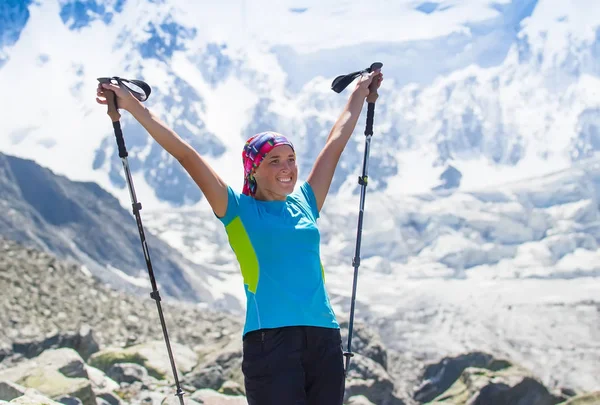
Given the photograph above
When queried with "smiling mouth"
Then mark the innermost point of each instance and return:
(285, 180)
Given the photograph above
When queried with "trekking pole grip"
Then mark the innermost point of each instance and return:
(370, 115)
(371, 99)
(112, 111)
(115, 116)
(373, 95)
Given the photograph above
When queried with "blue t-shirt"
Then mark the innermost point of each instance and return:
(277, 244)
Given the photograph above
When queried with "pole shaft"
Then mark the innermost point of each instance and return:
(115, 117)
(363, 181)
(155, 295)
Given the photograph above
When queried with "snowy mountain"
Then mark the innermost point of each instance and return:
(482, 222)
(497, 90)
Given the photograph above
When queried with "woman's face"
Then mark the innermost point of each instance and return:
(277, 174)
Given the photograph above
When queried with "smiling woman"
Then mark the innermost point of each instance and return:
(292, 347)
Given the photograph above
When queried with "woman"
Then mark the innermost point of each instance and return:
(292, 348)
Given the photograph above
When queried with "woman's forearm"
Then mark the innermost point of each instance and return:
(346, 123)
(162, 134)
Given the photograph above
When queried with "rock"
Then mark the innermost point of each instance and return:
(219, 364)
(449, 179)
(10, 390)
(569, 392)
(359, 400)
(88, 313)
(86, 344)
(211, 397)
(109, 398)
(67, 361)
(68, 400)
(174, 400)
(152, 355)
(592, 398)
(405, 368)
(368, 378)
(55, 373)
(32, 397)
(101, 383)
(231, 388)
(133, 393)
(137, 393)
(127, 373)
(105, 359)
(366, 342)
(211, 376)
(5, 351)
(511, 385)
(528, 391)
(230, 359)
(118, 319)
(83, 342)
(54, 384)
(438, 377)
(158, 359)
(12, 360)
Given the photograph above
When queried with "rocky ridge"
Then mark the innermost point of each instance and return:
(68, 338)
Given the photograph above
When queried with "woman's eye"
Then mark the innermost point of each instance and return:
(275, 161)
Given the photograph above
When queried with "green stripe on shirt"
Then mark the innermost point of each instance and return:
(240, 242)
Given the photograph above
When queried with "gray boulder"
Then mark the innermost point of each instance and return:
(368, 378)
(438, 377)
(208, 376)
(69, 400)
(32, 397)
(211, 397)
(591, 398)
(83, 342)
(10, 390)
(55, 374)
(151, 355)
(219, 363)
(510, 385)
(359, 400)
(127, 373)
(366, 342)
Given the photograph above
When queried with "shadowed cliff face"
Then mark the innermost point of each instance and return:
(81, 221)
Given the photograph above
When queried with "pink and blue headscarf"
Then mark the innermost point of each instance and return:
(255, 150)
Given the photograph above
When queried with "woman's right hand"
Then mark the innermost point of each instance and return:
(125, 100)
(369, 83)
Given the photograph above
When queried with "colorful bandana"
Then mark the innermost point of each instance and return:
(255, 150)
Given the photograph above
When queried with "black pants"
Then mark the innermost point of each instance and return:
(297, 365)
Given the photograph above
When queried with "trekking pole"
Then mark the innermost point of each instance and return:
(339, 84)
(115, 116)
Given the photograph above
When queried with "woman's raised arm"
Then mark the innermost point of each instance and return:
(212, 186)
(322, 172)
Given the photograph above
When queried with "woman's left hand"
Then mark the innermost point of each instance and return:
(368, 84)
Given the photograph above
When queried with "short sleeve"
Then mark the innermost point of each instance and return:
(307, 197)
(233, 207)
